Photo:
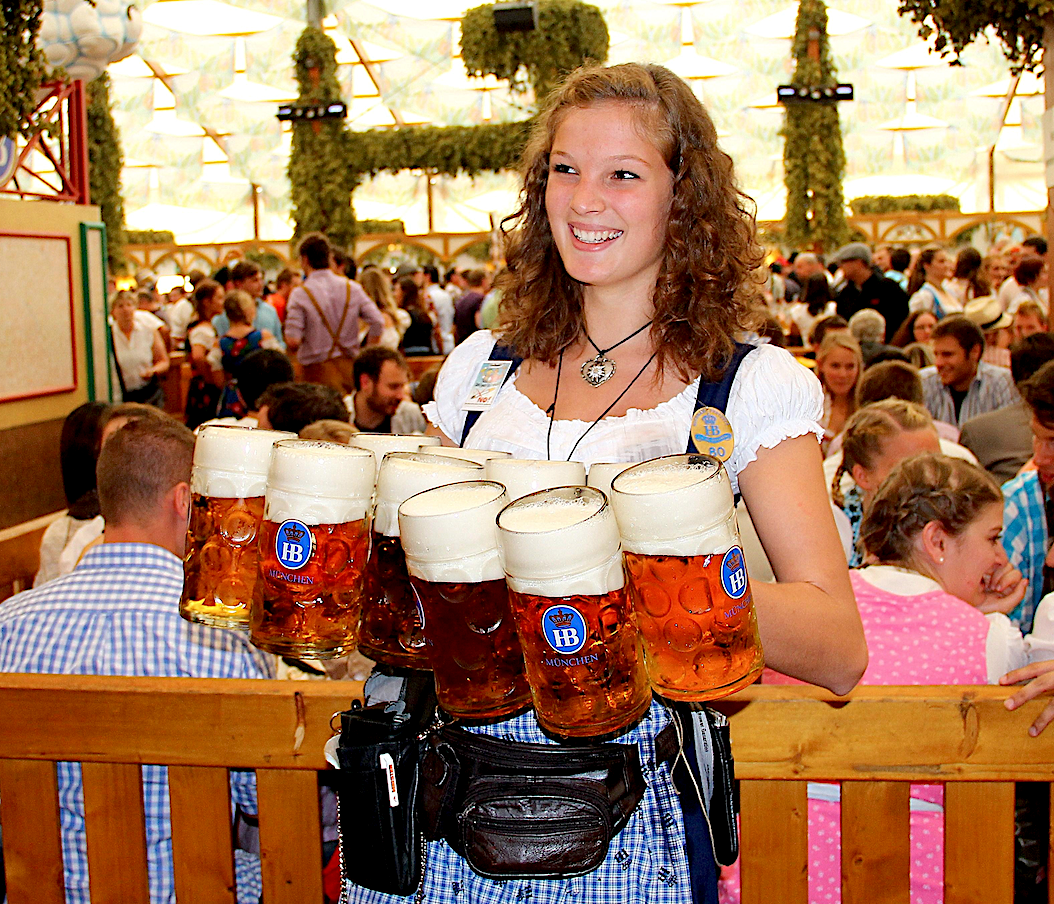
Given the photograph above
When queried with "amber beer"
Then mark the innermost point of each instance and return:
(688, 577)
(227, 502)
(314, 543)
(391, 630)
(451, 543)
(563, 563)
(522, 476)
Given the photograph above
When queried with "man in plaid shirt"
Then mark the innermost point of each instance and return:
(117, 613)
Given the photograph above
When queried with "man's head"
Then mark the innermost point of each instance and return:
(880, 257)
(476, 279)
(1037, 244)
(286, 281)
(829, 324)
(899, 259)
(957, 347)
(248, 277)
(412, 270)
(1038, 393)
(805, 265)
(292, 406)
(868, 325)
(1028, 269)
(260, 370)
(890, 380)
(144, 483)
(1028, 355)
(314, 251)
(855, 261)
(1029, 319)
(431, 276)
(382, 378)
(121, 414)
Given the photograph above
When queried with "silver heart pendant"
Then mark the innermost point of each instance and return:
(598, 370)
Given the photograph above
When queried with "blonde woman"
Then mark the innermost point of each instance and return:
(375, 283)
(839, 363)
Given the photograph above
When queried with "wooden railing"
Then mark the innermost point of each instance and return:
(874, 743)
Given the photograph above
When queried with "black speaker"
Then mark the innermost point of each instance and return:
(515, 16)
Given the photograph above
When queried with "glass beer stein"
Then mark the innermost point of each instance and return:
(314, 543)
(521, 476)
(391, 630)
(380, 444)
(227, 503)
(480, 456)
(601, 473)
(451, 545)
(563, 563)
(688, 576)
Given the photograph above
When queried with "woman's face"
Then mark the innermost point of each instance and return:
(923, 326)
(124, 313)
(939, 268)
(998, 271)
(895, 449)
(839, 370)
(215, 305)
(608, 198)
(972, 557)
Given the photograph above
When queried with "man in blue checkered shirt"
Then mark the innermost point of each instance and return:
(117, 613)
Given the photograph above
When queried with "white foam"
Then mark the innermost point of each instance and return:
(380, 444)
(482, 456)
(449, 534)
(232, 462)
(680, 505)
(524, 476)
(404, 474)
(561, 542)
(318, 482)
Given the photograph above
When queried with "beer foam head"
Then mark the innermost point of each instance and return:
(449, 533)
(232, 462)
(380, 444)
(601, 474)
(522, 476)
(318, 482)
(561, 542)
(482, 456)
(679, 505)
(404, 474)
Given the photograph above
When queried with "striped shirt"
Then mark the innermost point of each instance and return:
(117, 613)
(992, 388)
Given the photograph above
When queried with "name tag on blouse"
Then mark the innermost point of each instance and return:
(712, 433)
(484, 390)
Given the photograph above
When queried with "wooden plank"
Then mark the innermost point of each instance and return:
(29, 812)
(193, 721)
(876, 844)
(201, 835)
(979, 843)
(115, 831)
(292, 872)
(774, 828)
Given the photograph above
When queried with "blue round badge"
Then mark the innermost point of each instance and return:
(294, 544)
(734, 573)
(564, 629)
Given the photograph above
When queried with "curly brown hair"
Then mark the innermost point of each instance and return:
(924, 488)
(706, 284)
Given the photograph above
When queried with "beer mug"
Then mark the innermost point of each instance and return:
(601, 474)
(391, 630)
(314, 544)
(451, 545)
(521, 476)
(688, 576)
(481, 456)
(563, 563)
(227, 502)
(380, 444)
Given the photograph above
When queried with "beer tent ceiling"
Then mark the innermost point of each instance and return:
(196, 106)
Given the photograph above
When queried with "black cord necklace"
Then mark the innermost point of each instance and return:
(597, 371)
(604, 414)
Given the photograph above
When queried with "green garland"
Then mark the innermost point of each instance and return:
(569, 33)
(104, 168)
(1018, 24)
(875, 204)
(22, 65)
(321, 182)
(149, 237)
(813, 158)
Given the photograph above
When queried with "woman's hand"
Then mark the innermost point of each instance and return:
(1004, 589)
(1040, 677)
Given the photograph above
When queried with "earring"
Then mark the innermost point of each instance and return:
(940, 561)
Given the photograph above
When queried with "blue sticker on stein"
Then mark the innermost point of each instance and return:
(294, 544)
(564, 629)
(734, 573)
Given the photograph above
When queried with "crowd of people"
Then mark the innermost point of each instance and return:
(635, 286)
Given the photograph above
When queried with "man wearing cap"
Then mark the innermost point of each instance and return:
(866, 288)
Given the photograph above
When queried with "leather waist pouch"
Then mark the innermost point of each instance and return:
(516, 810)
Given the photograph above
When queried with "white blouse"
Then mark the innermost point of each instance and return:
(773, 398)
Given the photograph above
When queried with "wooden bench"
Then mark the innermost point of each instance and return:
(20, 553)
(874, 743)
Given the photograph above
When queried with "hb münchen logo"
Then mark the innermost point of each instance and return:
(564, 629)
(734, 573)
(293, 545)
